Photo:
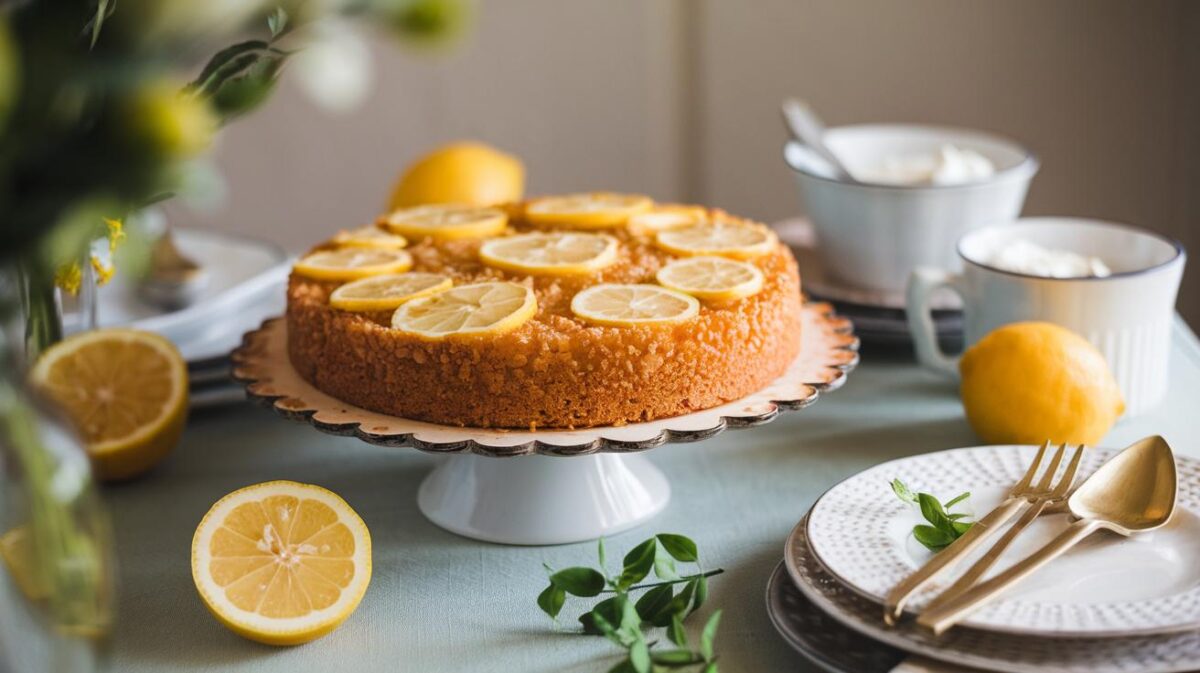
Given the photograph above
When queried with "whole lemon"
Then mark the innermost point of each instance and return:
(462, 172)
(1031, 382)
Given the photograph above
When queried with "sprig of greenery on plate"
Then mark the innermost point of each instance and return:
(623, 620)
(944, 526)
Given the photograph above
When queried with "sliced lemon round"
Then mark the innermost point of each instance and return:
(280, 562)
(624, 305)
(467, 310)
(127, 392)
(559, 253)
(712, 278)
(724, 238)
(666, 216)
(352, 263)
(592, 210)
(447, 222)
(369, 236)
(386, 292)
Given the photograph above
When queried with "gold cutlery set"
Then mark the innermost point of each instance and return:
(1134, 492)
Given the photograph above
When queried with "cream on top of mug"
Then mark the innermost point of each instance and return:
(1027, 257)
(949, 165)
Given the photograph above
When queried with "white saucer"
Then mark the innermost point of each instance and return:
(1108, 586)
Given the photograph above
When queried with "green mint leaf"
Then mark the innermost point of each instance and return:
(664, 565)
(933, 538)
(956, 499)
(701, 592)
(675, 633)
(675, 658)
(639, 654)
(631, 621)
(605, 627)
(241, 94)
(638, 562)
(931, 509)
(578, 581)
(551, 600)
(709, 634)
(607, 609)
(710, 668)
(957, 515)
(679, 547)
(654, 604)
(600, 556)
(679, 604)
(961, 527)
(277, 22)
(903, 492)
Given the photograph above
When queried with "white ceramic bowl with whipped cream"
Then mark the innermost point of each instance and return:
(918, 189)
(1113, 284)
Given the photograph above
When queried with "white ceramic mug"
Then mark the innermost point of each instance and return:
(871, 235)
(1127, 315)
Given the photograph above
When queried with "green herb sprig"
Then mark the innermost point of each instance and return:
(944, 526)
(623, 620)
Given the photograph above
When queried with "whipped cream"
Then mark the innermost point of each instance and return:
(1022, 256)
(949, 165)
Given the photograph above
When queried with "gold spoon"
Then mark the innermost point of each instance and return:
(1132, 493)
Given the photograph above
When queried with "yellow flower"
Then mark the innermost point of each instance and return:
(116, 233)
(69, 277)
(104, 272)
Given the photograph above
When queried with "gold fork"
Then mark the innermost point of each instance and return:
(1055, 499)
(1018, 497)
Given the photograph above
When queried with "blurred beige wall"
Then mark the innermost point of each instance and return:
(678, 98)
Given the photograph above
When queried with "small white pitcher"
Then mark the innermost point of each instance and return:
(1127, 315)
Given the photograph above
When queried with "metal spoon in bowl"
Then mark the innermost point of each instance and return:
(806, 128)
(1132, 493)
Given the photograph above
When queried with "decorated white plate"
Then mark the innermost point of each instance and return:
(1001, 652)
(1108, 586)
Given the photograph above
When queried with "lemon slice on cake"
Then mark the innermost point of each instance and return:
(712, 278)
(724, 238)
(592, 210)
(386, 292)
(281, 562)
(447, 222)
(352, 263)
(617, 305)
(369, 236)
(560, 253)
(127, 392)
(666, 216)
(467, 310)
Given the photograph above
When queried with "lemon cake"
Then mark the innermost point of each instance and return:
(559, 312)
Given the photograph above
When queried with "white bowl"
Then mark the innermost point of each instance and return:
(871, 236)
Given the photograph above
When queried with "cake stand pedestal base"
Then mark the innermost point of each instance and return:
(541, 500)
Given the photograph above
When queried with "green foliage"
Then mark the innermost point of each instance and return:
(623, 619)
(944, 526)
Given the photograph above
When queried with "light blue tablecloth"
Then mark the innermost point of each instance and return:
(438, 602)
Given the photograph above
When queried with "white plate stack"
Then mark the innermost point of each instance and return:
(1112, 605)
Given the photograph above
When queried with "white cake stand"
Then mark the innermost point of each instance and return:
(516, 486)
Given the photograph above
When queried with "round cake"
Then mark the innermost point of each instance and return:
(561, 312)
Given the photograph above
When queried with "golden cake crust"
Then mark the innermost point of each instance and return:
(555, 371)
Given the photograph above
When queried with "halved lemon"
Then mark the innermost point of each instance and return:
(352, 263)
(624, 305)
(280, 562)
(592, 210)
(386, 292)
(369, 236)
(724, 238)
(559, 253)
(447, 221)
(467, 310)
(666, 216)
(127, 392)
(712, 278)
